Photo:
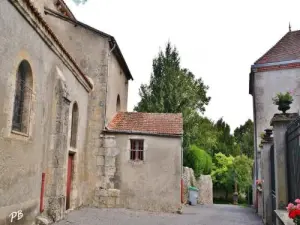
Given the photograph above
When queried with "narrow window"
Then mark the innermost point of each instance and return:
(74, 126)
(118, 106)
(136, 149)
(22, 98)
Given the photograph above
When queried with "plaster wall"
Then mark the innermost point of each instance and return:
(24, 158)
(92, 53)
(152, 184)
(266, 86)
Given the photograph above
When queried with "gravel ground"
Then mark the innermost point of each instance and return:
(192, 215)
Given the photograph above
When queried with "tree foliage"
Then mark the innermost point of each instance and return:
(199, 160)
(225, 139)
(242, 171)
(222, 175)
(227, 170)
(244, 137)
(174, 89)
(206, 135)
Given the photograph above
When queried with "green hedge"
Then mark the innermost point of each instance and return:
(199, 160)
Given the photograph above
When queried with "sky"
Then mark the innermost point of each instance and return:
(217, 40)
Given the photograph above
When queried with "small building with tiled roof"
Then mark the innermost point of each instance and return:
(149, 159)
(278, 70)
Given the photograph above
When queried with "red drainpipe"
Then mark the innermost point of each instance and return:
(42, 193)
(181, 189)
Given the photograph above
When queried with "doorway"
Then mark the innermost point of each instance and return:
(69, 180)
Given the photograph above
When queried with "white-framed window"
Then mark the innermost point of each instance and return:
(136, 149)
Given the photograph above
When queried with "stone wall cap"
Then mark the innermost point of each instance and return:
(280, 117)
(284, 217)
(268, 140)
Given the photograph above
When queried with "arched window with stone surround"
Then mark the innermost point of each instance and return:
(118, 106)
(22, 98)
(74, 126)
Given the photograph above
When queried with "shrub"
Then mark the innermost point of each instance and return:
(199, 160)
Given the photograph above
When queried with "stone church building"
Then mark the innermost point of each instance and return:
(66, 140)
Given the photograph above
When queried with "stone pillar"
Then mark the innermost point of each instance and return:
(105, 194)
(259, 194)
(56, 166)
(266, 177)
(205, 186)
(280, 123)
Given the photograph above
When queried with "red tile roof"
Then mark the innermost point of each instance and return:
(170, 124)
(288, 48)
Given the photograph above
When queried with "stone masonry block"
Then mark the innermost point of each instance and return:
(117, 201)
(111, 202)
(101, 183)
(100, 160)
(102, 192)
(103, 201)
(100, 171)
(110, 170)
(109, 142)
(113, 192)
(110, 161)
(111, 151)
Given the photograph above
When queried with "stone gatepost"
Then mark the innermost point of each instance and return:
(280, 123)
(259, 194)
(266, 177)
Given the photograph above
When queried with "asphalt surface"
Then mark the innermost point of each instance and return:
(192, 215)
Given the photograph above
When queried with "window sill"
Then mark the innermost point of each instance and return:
(18, 136)
(72, 150)
(19, 133)
(137, 162)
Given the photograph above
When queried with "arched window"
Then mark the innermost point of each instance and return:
(118, 107)
(74, 126)
(22, 98)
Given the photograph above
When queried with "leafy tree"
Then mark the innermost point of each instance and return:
(222, 173)
(242, 171)
(244, 137)
(206, 135)
(199, 160)
(173, 89)
(225, 142)
(228, 169)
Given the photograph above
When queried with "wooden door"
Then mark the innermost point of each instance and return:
(69, 181)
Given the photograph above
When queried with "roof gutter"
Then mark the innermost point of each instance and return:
(141, 133)
(256, 66)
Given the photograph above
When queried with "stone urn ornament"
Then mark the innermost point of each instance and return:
(283, 100)
(268, 133)
(259, 185)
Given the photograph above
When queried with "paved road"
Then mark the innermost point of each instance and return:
(193, 215)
